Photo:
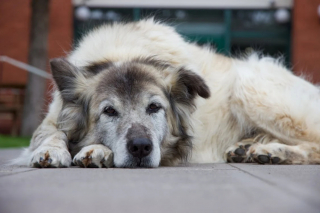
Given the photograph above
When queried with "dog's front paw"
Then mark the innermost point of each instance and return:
(94, 156)
(47, 156)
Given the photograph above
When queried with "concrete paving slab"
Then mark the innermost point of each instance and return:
(187, 188)
(6, 170)
(307, 175)
(5, 156)
(8, 154)
(302, 181)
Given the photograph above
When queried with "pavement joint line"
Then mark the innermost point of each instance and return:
(14, 173)
(279, 186)
(262, 179)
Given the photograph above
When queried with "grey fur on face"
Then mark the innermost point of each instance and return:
(129, 91)
(130, 100)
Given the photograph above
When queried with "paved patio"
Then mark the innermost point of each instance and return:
(189, 188)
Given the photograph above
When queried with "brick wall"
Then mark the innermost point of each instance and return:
(60, 31)
(15, 20)
(306, 38)
(14, 33)
(14, 37)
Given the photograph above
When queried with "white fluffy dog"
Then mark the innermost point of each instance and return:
(139, 95)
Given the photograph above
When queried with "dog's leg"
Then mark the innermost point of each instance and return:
(94, 156)
(270, 98)
(237, 153)
(48, 146)
(278, 153)
(266, 149)
(52, 152)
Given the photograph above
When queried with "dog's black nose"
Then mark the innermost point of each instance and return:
(139, 147)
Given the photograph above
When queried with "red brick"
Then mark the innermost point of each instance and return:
(306, 38)
(14, 40)
(15, 30)
(14, 37)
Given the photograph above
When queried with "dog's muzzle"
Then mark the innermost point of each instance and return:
(139, 147)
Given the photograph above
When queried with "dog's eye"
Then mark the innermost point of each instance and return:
(110, 111)
(153, 108)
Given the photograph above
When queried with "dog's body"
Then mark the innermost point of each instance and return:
(141, 83)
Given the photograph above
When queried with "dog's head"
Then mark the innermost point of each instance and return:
(139, 109)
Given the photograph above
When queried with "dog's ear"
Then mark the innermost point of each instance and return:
(183, 86)
(73, 118)
(186, 85)
(64, 74)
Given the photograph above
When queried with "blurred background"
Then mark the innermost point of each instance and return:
(33, 31)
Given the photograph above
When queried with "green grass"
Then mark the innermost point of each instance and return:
(13, 142)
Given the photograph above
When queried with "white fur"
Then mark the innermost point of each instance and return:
(98, 154)
(24, 158)
(254, 92)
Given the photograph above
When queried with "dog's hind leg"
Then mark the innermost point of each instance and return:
(237, 153)
(278, 153)
(265, 149)
(270, 98)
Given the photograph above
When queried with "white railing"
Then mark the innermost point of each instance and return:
(26, 67)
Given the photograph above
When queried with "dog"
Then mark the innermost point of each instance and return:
(139, 95)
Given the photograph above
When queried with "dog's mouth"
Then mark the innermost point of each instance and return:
(134, 162)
